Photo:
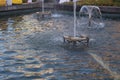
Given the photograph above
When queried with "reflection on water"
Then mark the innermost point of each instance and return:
(32, 49)
(105, 65)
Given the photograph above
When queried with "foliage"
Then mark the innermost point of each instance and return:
(116, 0)
(97, 2)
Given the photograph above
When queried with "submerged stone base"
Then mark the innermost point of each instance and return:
(74, 40)
(43, 14)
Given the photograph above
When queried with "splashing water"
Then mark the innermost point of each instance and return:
(43, 10)
(92, 16)
(75, 24)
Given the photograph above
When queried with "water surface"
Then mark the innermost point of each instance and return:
(32, 49)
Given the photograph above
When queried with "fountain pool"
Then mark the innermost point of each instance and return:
(32, 49)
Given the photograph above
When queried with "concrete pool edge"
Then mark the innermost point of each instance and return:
(51, 6)
(104, 9)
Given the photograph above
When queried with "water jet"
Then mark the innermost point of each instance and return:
(44, 13)
(75, 39)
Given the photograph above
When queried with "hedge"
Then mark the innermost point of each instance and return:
(97, 2)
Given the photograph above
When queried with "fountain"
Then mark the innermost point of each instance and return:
(55, 13)
(91, 16)
(44, 13)
(10, 24)
(76, 39)
(33, 50)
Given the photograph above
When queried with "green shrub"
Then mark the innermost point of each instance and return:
(97, 2)
(24, 1)
(116, 0)
(34, 0)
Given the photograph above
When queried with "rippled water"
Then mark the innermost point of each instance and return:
(32, 49)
